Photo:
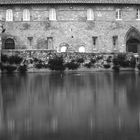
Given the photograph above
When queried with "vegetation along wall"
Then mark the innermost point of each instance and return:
(32, 60)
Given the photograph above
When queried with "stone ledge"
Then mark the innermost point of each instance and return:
(34, 70)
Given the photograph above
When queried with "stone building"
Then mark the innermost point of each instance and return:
(71, 25)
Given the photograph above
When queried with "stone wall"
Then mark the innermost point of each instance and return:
(71, 27)
(46, 55)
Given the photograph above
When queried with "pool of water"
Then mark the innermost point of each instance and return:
(100, 105)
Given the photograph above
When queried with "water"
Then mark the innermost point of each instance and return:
(81, 106)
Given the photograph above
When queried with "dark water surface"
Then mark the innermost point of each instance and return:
(81, 106)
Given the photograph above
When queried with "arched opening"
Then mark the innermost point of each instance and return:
(133, 41)
(82, 49)
(63, 49)
(9, 44)
(132, 45)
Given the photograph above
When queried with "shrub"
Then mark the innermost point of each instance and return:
(125, 63)
(11, 59)
(138, 66)
(93, 61)
(115, 61)
(18, 59)
(39, 65)
(46, 66)
(120, 59)
(116, 68)
(22, 68)
(36, 60)
(109, 59)
(80, 60)
(121, 56)
(2, 67)
(4, 58)
(133, 62)
(15, 59)
(57, 63)
(10, 68)
(107, 66)
(88, 65)
(72, 65)
(99, 57)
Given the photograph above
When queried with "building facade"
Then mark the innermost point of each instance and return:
(71, 25)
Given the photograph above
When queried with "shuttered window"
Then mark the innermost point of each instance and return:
(52, 14)
(26, 15)
(9, 15)
(90, 14)
(118, 14)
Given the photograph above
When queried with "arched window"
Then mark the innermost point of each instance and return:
(50, 42)
(82, 49)
(26, 15)
(9, 15)
(52, 14)
(63, 49)
(90, 14)
(133, 40)
(9, 44)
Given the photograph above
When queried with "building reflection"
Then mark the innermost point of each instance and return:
(81, 103)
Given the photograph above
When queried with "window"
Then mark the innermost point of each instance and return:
(26, 15)
(9, 15)
(30, 40)
(118, 14)
(90, 14)
(9, 44)
(94, 38)
(138, 14)
(115, 41)
(52, 14)
(63, 49)
(50, 42)
(82, 49)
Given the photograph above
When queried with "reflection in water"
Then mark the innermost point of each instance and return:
(84, 103)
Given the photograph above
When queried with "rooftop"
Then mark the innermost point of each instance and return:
(3, 2)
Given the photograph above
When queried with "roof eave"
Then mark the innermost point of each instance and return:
(69, 2)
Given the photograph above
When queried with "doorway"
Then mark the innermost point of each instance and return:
(9, 44)
(133, 41)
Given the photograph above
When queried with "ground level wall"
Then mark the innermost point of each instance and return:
(75, 34)
(35, 60)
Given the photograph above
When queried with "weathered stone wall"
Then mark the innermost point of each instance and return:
(71, 27)
(45, 55)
